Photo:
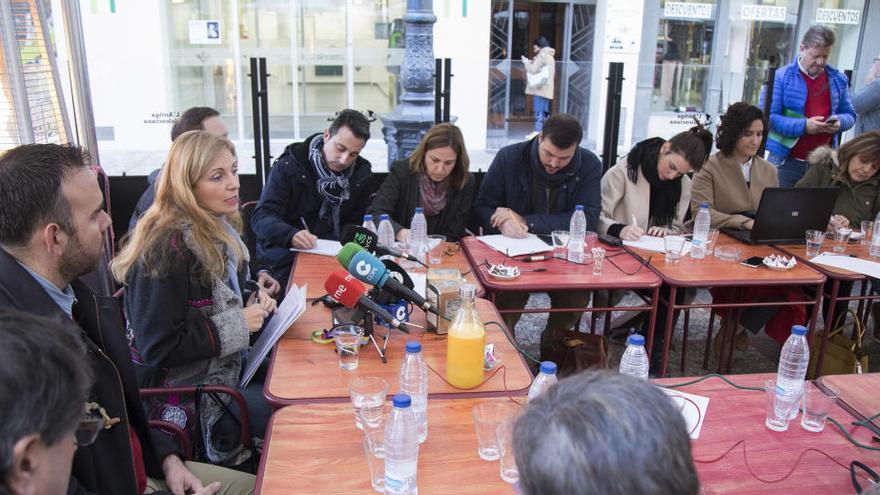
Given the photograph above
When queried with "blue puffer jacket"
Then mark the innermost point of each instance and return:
(787, 121)
(509, 183)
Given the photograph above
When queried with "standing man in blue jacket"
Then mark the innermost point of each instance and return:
(811, 104)
(314, 189)
(533, 187)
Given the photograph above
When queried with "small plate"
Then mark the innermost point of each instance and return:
(779, 268)
(503, 272)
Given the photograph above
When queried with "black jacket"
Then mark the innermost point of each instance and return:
(508, 182)
(399, 197)
(106, 466)
(291, 195)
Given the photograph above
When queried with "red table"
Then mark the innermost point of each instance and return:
(620, 271)
(713, 272)
(859, 394)
(737, 415)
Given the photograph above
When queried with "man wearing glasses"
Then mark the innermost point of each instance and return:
(43, 388)
(52, 228)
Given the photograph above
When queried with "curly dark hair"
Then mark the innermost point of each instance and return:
(734, 123)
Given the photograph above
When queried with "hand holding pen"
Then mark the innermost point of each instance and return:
(304, 239)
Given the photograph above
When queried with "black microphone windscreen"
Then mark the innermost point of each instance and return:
(397, 272)
(361, 236)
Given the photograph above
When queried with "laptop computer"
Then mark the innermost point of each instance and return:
(785, 213)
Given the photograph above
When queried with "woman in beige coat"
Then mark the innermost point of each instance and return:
(735, 177)
(648, 190)
(542, 93)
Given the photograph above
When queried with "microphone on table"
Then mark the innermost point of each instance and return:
(368, 269)
(368, 240)
(352, 294)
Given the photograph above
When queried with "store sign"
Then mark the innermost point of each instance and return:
(762, 13)
(838, 16)
(688, 10)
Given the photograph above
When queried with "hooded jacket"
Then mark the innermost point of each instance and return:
(543, 58)
(856, 201)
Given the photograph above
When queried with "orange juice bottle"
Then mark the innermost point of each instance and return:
(465, 344)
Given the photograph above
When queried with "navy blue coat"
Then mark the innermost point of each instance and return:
(508, 183)
(291, 194)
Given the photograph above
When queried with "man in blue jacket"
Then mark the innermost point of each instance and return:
(314, 189)
(810, 105)
(533, 187)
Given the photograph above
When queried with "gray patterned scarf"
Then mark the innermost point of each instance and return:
(333, 187)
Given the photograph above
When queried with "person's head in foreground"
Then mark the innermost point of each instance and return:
(44, 382)
(603, 433)
(860, 157)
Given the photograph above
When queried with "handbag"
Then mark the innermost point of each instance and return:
(539, 78)
(573, 351)
(842, 354)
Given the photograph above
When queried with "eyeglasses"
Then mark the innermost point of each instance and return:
(88, 429)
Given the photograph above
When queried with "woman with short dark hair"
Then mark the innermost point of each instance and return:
(435, 178)
(735, 177)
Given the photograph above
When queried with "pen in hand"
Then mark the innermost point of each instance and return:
(304, 224)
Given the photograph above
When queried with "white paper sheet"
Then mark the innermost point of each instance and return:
(420, 281)
(651, 243)
(858, 265)
(293, 305)
(323, 248)
(693, 411)
(515, 247)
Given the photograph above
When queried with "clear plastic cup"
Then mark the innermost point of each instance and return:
(778, 411)
(374, 449)
(487, 417)
(436, 246)
(348, 344)
(841, 237)
(817, 403)
(673, 247)
(368, 400)
(598, 260)
(814, 239)
(509, 471)
(560, 243)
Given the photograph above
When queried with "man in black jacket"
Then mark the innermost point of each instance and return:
(314, 189)
(533, 187)
(52, 228)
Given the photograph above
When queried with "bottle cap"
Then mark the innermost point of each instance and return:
(548, 367)
(799, 330)
(635, 339)
(704, 204)
(579, 207)
(384, 216)
(368, 217)
(413, 346)
(401, 401)
(419, 210)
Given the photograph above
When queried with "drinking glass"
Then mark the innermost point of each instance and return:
(560, 243)
(673, 245)
(817, 403)
(436, 246)
(368, 398)
(348, 344)
(841, 237)
(710, 242)
(598, 257)
(867, 231)
(814, 240)
(509, 471)
(487, 417)
(374, 449)
(778, 411)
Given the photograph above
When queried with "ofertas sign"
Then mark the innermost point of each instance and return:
(688, 10)
(838, 16)
(762, 13)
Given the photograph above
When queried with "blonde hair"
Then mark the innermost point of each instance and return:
(176, 208)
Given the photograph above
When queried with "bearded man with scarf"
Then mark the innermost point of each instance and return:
(314, 189)
(533, 187)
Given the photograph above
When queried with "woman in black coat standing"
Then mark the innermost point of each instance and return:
(436, 178)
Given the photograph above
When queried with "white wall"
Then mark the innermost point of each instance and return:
(466, 41)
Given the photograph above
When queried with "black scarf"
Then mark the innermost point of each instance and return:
(665, 194)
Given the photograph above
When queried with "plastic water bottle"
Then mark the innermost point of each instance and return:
(418, 238)
(635, 359)
(401, 449)
(369, 224)
(577, 230)
(793, 362)
(385, 231)
(701, 232)
(875, 238)
(414, 382)
(545, 379)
